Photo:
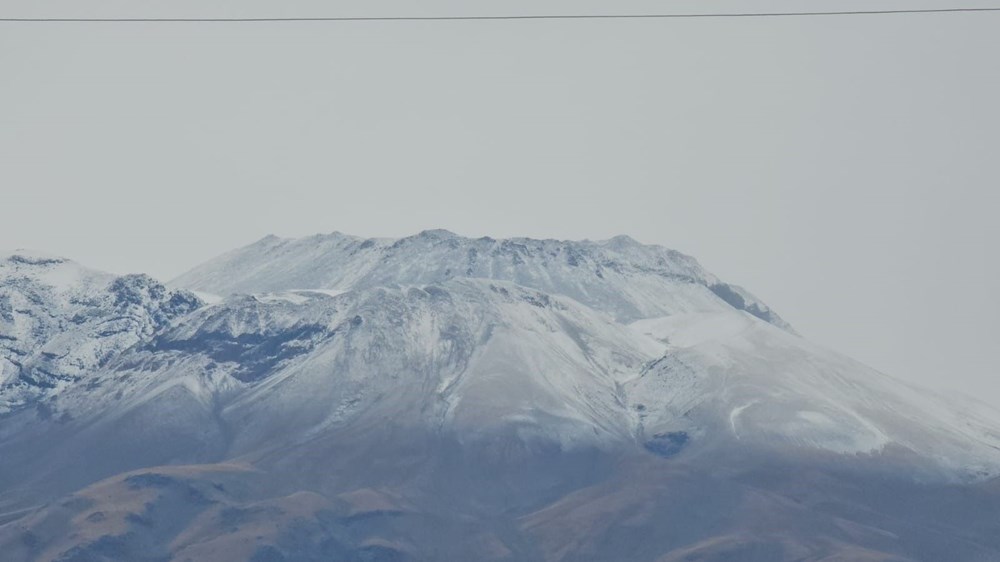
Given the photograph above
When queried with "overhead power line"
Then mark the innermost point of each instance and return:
(513, 17)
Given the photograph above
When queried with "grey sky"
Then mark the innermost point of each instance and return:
(843, 169)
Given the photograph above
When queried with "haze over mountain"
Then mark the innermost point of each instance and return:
(444, 398)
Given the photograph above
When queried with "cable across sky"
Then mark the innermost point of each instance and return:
(503, 17)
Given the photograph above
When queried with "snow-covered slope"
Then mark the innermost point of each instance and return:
(482, 360)
(387, 329)
(60, 321)
(530, 400)
(470, 357)
(731, 374)
(620, 276)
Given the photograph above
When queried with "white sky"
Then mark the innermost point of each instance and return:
(843, 169)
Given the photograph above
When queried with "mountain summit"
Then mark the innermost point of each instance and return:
(437, 397)
(620, 276)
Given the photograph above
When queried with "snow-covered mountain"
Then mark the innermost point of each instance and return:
(444, 398)
(60, 321)
(620, 276)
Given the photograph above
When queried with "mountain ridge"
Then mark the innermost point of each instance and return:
(645, 274)
(59, 320)
(411, 400)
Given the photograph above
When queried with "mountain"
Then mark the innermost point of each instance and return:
(60, 321)
(620, 276)
(444, 398)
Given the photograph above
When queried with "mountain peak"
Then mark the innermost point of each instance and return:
(437, 233)
(31, 257)
(623, 240)
(619, 276)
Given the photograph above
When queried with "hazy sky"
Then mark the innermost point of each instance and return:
(846, 169)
